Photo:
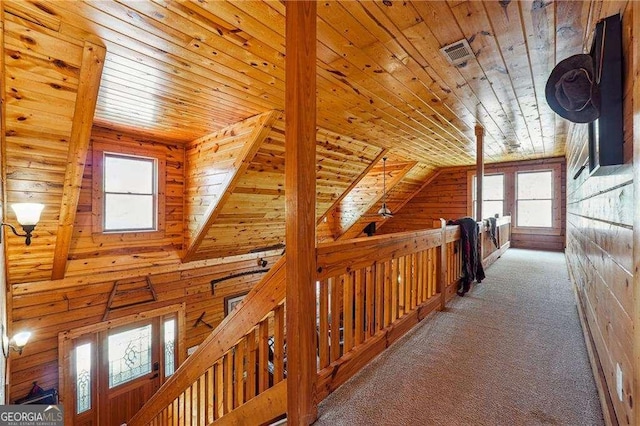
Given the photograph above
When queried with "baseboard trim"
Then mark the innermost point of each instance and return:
(608, 411)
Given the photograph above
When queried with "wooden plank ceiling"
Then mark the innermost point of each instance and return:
(182, 70)
(211, 73)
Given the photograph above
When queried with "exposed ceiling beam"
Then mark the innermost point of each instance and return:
(231, 179)
(3, 145)
(337, 202)
(93, 57)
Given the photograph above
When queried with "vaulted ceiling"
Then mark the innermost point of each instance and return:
(183, 69)
(208, 77)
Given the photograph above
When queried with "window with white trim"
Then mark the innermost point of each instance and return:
(492, 195)
(130, 193)
(534, 199)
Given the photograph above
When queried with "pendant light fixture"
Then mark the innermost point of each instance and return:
(384, 210)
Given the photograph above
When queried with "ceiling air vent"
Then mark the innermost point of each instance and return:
(458, 52)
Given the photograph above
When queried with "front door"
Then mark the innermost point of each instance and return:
(130, 369)
(116, 370)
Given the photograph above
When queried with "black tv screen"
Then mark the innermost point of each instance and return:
(606, 136)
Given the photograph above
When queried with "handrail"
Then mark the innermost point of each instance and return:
(371, 291)
(266, 296)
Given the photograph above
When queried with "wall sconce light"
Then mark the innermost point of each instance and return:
(27, 215)
(17, 344)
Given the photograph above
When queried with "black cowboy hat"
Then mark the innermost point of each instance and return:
(572, 91)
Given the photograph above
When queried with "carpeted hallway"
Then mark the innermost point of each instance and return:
(511, 352)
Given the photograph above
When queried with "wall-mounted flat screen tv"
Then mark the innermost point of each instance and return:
(606, 138)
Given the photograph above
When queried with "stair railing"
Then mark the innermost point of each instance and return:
(370, 291)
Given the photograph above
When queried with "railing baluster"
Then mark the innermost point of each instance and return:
(394, 289)
(359, 303)
(419, 271)
(370, 300)
(379, 273)
(220, 411)
(278, 343)
(335, 290)
(413, 292)
(252, 359)
(323, 319)
(208, 396)
(227, 362)
(186, 407)
(409, 294)
(388, 293)
(263, 356)
(402, 285)
(239, 373)
(348, 311)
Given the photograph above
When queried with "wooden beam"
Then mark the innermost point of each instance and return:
(93, 57)
(479, 169)
(231, 179)
(336, 203)
(635, 53)
(5, 290)
(3, 126)
(300, 180)
(442, 262)
(262, 409)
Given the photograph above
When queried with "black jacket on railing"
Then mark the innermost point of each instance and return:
(471, 258)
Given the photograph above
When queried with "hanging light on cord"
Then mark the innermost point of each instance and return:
(384, 210)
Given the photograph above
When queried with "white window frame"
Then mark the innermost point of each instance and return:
(551, 198)
(471, 211)
(99, 233)
(153, 193)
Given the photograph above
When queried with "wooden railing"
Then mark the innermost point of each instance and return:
(491, 252)
(370, 292)
(243, 357)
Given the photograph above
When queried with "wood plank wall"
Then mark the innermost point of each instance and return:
(3, 266)
(448, 196)
(397, 197)
(49, 307)
(600, 214)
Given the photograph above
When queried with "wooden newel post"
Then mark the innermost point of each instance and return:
(442, 262)
(479, 170)
(300, 184)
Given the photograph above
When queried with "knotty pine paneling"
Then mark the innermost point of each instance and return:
(600, 247)
(365, 195)
(448, 196)
(253, 216)
(445, 197)
(182, 70)
(397, 196)
(51, 307)
(92, 252)
(40, 74)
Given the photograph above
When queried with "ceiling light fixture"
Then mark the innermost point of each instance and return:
(27, 215)
(384, 210)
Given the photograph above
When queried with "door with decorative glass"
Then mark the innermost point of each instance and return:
(116, 370)
(130, 370)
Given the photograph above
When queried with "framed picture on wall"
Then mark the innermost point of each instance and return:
(230, 302)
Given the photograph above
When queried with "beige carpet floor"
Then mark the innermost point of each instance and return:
(511, 352)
